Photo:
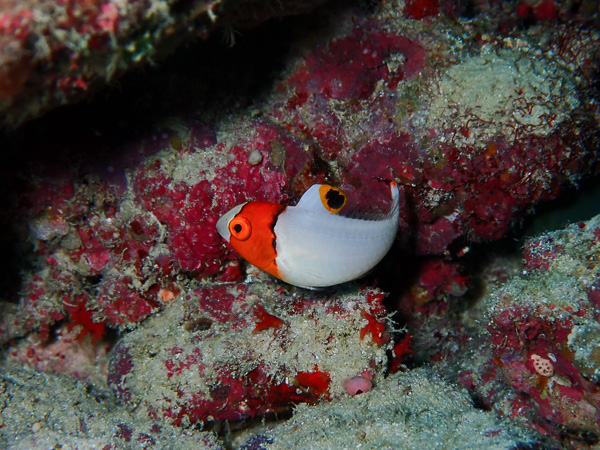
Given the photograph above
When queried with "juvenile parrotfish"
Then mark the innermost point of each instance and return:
(310, 244)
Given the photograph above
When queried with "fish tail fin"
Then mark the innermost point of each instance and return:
(395, 194)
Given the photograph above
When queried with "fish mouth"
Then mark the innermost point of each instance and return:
(223, 222)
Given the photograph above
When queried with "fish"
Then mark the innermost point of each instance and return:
(311, 245)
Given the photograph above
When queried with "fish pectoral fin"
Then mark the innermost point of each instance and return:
(300, 275)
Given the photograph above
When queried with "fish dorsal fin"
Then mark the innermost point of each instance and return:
(323, 197)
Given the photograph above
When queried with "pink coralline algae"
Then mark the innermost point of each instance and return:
(435, 282)
(359, 384)
(472, 177)
(418, 9)
(216, 359)
(350, 66)
(374, 328)
(82, 318)
(114, 262)
(543, 10)
(540, 252)
(188, 210)
(67, 353)
(265, 320)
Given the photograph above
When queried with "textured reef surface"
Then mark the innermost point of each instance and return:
(529, 350)
(121, 301)
(218, 354)
(56, 52)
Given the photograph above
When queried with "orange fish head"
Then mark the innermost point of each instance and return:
(249, 230)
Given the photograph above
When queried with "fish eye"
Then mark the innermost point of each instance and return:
(240, 228)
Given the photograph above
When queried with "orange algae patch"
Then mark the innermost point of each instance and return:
(401, 350)
(81, 316)
(265, 320)
(316, 381)
(167, 294)
(375, 328)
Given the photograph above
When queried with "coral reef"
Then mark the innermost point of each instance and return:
(216, 353)
(539, 365)
(115, 274)
(107, 244)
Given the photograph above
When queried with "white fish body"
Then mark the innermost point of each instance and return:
(313, 246)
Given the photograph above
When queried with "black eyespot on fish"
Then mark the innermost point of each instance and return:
(335, 198)
(332, 199)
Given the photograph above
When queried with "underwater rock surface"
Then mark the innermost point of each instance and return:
(115, 274)
(218, 354)
(541, 341)
(54, 53)
(427, 414)
(46, 410)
